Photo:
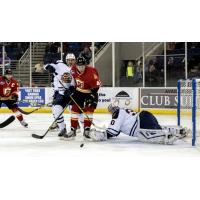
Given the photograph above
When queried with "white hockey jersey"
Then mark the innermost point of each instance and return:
(127, 122)
(60, 69)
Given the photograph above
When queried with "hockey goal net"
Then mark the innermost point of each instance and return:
(188, 108)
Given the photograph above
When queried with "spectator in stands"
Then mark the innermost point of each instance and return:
(170, 64)
(130, 70)
(39, 68)
(138, 71)
(87, 54)
(152, 75)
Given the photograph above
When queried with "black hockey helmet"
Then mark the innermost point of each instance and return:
(80, 60)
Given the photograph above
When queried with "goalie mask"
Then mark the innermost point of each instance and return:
(112, 108)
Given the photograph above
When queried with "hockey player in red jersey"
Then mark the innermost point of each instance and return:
(9, 88)
(87, 84)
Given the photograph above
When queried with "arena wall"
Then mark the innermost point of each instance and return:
(156, 100)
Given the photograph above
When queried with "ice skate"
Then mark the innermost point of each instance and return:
(70, 136)
(62, 132)
(24, 124)
(86, 134)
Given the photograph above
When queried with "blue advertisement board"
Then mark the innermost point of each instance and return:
(31, 97)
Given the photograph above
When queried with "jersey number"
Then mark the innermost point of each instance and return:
(112, 122)
(6, 91)
(80, 84)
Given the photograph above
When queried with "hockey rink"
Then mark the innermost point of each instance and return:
(121, 168)
(15, 139)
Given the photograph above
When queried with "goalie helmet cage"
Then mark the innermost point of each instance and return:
(189, 105)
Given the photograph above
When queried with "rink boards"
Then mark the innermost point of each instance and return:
(156, 100)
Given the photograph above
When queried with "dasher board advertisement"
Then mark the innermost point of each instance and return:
(158, 98)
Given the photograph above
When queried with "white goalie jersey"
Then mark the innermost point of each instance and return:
(124, 121)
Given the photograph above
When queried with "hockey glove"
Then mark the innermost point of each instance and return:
(51, 69)
(92, 100)
(14, 97)
(69, 91)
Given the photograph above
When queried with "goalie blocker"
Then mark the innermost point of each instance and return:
(142, 125)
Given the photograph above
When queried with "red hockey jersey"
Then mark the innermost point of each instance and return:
(8, 88)
(87, 80)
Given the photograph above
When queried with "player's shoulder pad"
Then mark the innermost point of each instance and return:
(92, 71)
(115, 114)
(14, 80)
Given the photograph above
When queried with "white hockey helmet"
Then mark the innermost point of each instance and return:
(70, 56)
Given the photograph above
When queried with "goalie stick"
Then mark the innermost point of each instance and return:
(42, 136)
(7, 121)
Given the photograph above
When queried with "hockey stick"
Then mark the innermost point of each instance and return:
(23, 111)
(7, 121)
(80, 107)
(86, 114)
(28, 113)
(42, 136)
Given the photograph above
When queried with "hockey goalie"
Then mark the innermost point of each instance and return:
(142, 125)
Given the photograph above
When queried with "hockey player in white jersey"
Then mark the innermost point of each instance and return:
(58, 70)
(62, 100)
(142, 125)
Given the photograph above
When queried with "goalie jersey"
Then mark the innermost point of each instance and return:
(125, 121)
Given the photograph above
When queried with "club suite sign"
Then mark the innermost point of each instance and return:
(158, 98)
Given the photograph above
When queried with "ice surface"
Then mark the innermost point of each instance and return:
(121, 168)
(17, 139)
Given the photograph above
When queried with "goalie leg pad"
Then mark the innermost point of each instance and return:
(179, 131)
(156, 136)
